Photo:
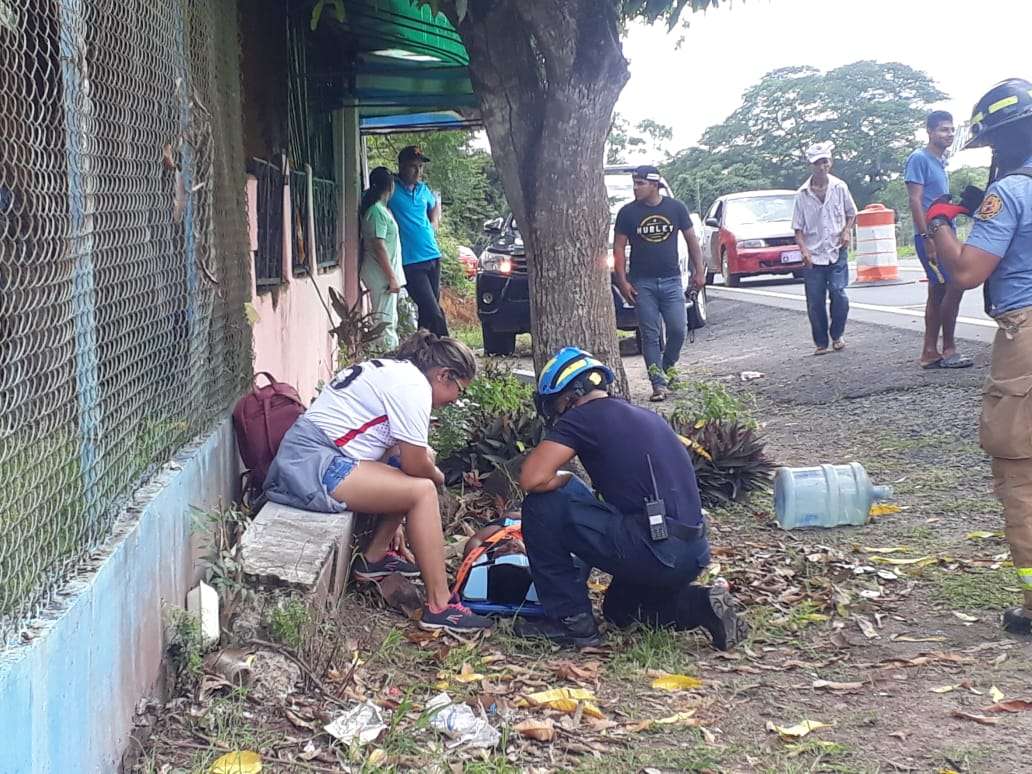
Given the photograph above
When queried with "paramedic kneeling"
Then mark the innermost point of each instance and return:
(622, 447)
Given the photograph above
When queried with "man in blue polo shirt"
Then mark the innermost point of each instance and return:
(927, 180)
(418, 213)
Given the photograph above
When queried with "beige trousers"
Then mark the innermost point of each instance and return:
(1005, 432)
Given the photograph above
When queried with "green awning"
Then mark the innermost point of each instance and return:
(388, 57)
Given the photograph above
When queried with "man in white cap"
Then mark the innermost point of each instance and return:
(823, 218)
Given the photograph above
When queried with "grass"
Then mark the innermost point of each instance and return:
(768, 624)
(647, 648)
(288, 621)
(692, 756)
(979, 590)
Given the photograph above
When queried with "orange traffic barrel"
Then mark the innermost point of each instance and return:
(876, 259)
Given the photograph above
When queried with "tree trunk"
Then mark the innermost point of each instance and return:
(547, 74)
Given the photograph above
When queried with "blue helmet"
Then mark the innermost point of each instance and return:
(570, 369)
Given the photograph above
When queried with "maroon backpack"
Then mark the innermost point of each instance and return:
(260, 420)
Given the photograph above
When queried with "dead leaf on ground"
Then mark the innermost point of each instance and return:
(944, 689)
(965, 617)
(892, 550)
(676, 683)
(799, 730)
(467, 674)
(1011, 705)
(995, 694)
(299, 721)
(981, 719)
(237, 762)
(918, 562)
(866, 627)
(578, 673)
(831, 685)
(401, 594)
(566, 700)
(916, 638)
(541, 730)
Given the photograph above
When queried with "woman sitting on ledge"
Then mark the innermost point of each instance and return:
(330, 461)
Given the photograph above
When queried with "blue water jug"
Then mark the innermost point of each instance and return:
(825, 495)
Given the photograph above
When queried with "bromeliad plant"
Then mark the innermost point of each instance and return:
(721, 434)
(729, 461)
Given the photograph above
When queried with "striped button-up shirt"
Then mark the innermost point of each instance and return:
(822, 222)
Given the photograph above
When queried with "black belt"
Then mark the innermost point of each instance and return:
(684, 532)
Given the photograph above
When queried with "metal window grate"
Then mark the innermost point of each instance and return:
(299, 222)
(326, 205)
(124, 265)
(268, 261)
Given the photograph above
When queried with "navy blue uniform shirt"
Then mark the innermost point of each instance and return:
(612, 437)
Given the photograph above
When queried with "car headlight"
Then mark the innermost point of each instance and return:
(747, 244)
(496, 262)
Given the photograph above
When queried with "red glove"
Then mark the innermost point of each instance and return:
(942, 208)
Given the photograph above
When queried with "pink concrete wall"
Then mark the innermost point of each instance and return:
(291, 338)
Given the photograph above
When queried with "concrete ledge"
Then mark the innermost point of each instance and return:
(68, 696)
(304, 550)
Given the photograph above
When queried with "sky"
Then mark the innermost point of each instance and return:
(965, 47)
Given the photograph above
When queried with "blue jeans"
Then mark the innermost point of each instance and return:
(661, 304)
(571, 520)
(821, 282)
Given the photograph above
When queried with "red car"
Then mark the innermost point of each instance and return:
(750, 233)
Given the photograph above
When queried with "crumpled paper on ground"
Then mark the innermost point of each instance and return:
(460, 724)
(361, 724)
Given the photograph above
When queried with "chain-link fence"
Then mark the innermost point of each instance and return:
(124, 264)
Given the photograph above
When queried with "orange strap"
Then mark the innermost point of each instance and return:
(505, 533)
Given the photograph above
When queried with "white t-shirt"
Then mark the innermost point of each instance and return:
(369, 407)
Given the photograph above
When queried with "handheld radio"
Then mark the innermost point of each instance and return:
(655, 510)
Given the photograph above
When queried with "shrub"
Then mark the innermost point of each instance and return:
(493, 424)
(698, 402)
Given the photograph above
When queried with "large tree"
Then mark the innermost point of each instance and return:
(872, 111)
(547, 74)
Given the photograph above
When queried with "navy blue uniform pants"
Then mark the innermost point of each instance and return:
(650, 580)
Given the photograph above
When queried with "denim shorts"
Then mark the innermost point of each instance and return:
(338, 470)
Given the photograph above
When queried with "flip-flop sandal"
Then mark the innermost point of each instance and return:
(956, 361)
(932, 365)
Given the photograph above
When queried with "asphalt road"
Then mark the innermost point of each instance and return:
(898, 305)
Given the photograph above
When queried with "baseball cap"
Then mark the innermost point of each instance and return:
(819, 150)
(647, 172)
(411, 153)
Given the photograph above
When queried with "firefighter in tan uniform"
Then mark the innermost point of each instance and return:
(998, 252)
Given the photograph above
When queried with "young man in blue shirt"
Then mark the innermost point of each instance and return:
(418, 213)
(927, 180)
(998, 252)
(632, 456)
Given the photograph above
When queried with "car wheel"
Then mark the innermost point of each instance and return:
(798, 274)
(730, 280)
(709, 277)
(698, 314)
(497, 342)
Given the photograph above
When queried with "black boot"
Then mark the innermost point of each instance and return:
(576, 630)
(1017, 620)
(723, 624)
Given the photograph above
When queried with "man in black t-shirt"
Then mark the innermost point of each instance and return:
(650, 224)
(622, 447)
